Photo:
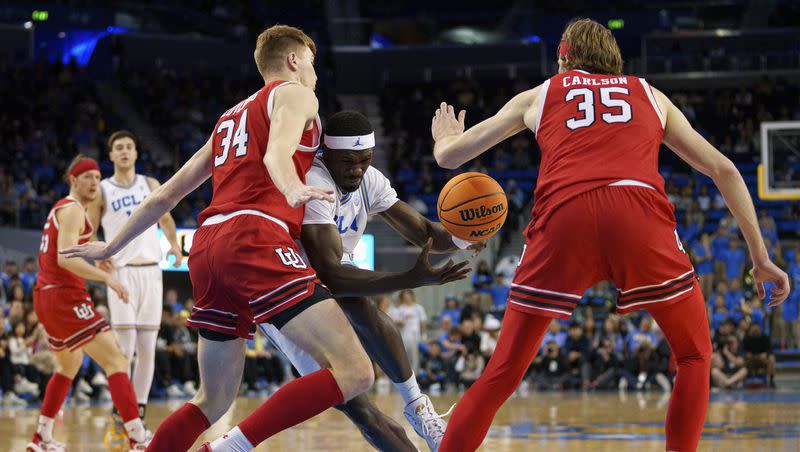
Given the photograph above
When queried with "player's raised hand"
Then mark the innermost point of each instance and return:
(118, 288)
(175, 251)
(424, 274)
(305, 193)
(445, 123)
(769, 272)
(91, 250)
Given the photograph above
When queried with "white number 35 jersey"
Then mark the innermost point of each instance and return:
(350, 212)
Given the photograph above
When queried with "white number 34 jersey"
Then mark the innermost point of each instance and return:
(351, 211)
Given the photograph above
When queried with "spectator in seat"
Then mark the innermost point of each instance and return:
(734, 260)
(489, 335)
(25, 375)
(704, 263)
(718, 312)
(758, 355)
(28, 275)
(605, 365)
(260, 361)
(472, 306)
(469, 337)
(728, 365)
(643, 368)
(433, 374)
(554, 334)
(451, 309)
(499, 292)
(552, 368)
(482, 279)
(469, 368)
(577, 348)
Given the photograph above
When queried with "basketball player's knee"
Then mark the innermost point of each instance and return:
(215, 403)
(114, 362)
(356, 378)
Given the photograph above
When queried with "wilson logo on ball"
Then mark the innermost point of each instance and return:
(480, 212)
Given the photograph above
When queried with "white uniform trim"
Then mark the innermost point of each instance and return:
(528, 306)
(271, 105)
(631, 182)
(623, 292)
(568, 295)
(542, 97)
(282, 287)
(632, 305)
(222, 217)
(653, 102)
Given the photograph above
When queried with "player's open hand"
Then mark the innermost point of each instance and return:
(176, 251)
(305, 193)
(769, 272)
(92, 250)
(424, 274)
(445, 123)
(118, 288)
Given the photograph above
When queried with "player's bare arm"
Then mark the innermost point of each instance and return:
(71, 221)
(294, 110)
(323, 245)
(163, 199)
(690, 146)
(453, 146)
(167, 224)
(417, 229)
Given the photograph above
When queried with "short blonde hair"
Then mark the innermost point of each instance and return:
(591, 47)
(275, 42)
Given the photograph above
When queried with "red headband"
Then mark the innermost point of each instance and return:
(563, 49)
(83, 166)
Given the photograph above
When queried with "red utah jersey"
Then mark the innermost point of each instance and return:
(50, 273)
(594, 130)
(240, 179)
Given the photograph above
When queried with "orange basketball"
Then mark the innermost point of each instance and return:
(472, 206)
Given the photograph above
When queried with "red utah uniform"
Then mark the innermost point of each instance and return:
(60, 298)
(244, 264)
(600, 210)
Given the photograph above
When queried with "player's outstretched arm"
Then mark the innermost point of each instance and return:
(323, 246)
(681, 137)
(167, 224)
(417, 229)
(158, 203)
(71, 221)
(453, 146)
(294, 108)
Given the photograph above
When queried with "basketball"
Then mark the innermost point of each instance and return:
(472, 206)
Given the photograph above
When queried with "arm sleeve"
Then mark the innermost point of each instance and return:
(318, 211)
(380, 194)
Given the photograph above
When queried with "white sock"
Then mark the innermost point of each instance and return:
(135, 429)
(233, 441)
(45, 428)
(409, 389)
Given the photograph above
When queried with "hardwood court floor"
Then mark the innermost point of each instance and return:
(740, 421)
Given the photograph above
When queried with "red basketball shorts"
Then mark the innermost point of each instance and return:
(244, 270)
(625, 234)
(68, 317)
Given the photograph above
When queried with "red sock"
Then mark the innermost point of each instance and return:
(685, 326)
(54, 394)
(294, 403)
(519, 341)
(123, 396)
(180, 430)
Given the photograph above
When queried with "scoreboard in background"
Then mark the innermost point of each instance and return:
(364, 254)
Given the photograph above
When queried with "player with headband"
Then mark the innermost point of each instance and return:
(329, 236)
(67, 313)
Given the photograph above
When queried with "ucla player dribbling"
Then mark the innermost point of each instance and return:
(329, 236)
(134, 324)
